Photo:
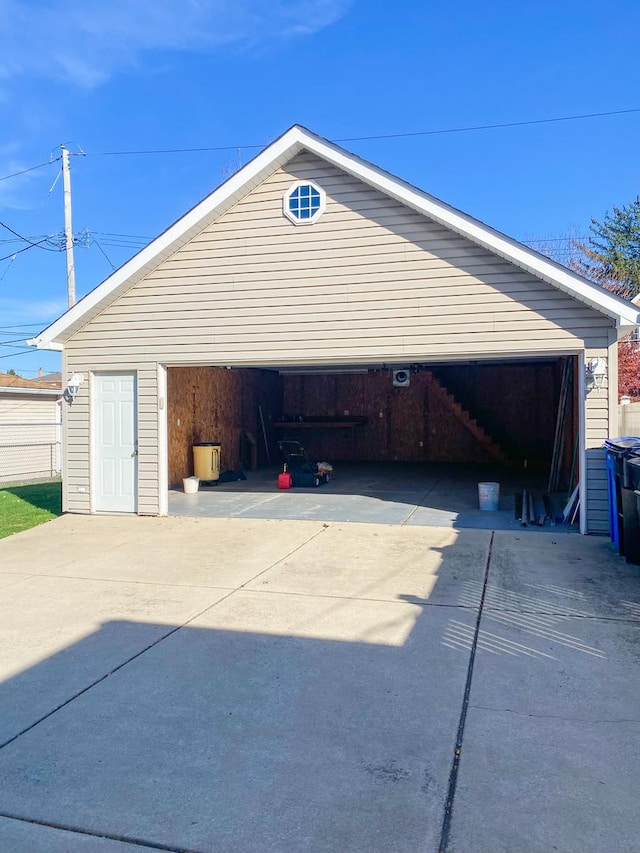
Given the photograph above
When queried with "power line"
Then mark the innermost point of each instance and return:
(490, 126)
(26, 249)
(16, 353)
(555, 239)
(30, 169)
(19, 326)
(26, 240)
(108, 259)
(129, 236)
(464, 129)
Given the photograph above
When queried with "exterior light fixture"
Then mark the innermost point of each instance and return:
(596, 370)
(72, 387)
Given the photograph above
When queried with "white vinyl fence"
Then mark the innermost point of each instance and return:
(30, 451)
(629, 419)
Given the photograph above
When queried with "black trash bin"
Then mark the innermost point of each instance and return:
(623, 470)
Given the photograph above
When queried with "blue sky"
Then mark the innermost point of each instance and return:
(130, 75)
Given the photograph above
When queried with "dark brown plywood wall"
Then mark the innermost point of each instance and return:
(214, 404)
(403, 424)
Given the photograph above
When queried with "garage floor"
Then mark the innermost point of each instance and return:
(425, 494)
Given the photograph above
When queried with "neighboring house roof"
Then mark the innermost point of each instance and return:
(291, 143)
(10, 384)
(49, 378)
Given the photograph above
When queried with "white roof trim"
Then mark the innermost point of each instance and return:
(624, 313)
(42, 392)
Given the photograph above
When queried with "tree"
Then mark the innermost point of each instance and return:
(611, 256)
(629, 368)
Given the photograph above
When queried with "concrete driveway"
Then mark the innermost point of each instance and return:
(244, 685)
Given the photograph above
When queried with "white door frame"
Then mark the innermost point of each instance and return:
(163, 442)
(582, 438)
(93, 477)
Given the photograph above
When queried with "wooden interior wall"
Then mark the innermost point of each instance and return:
(515, 403)
(403, 424)
(214, 404)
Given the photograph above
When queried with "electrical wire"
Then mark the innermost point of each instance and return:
(16, 353)
(464, 129)
(129, 236)
(108, 259)
(489, 126)
(19, 326)
(30, 169)
(554, 240)
(26, 249)
(26, 240)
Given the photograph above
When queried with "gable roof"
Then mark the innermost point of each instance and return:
(287, 146)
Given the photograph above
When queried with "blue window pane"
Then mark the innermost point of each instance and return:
(304, 202)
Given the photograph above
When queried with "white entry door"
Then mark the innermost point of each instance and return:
(116, 444)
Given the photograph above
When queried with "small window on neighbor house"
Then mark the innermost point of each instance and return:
(304, 202)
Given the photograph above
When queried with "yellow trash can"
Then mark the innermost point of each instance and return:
(206, 460)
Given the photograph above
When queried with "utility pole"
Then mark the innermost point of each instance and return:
(68, 232)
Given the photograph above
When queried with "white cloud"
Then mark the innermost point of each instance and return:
(88, 42)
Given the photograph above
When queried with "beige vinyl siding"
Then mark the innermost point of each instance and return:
(148, 498)
(371, 281)
(597, 430)
(76, 425)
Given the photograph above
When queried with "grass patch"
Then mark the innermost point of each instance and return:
(22, 507)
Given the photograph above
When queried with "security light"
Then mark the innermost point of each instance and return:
(72, 387)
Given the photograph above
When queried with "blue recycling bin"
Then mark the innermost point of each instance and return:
(623, 511)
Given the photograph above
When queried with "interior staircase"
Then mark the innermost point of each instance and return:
(466, 420)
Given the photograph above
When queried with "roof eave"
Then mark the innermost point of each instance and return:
(41, 392)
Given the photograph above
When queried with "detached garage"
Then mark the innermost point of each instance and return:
(315, 295)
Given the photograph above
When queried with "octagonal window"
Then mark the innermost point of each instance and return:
(304, 202)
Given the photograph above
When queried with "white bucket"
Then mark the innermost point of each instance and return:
(190, 485)
(489, 496)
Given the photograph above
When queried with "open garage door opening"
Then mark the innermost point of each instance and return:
(384, 428)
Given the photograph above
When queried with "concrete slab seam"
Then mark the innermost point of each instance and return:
(325, 526)
(76, 830)
(152, 645)
(109, 674)
(453, 776)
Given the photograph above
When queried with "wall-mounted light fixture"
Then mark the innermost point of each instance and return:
(596, 373)
(72, 387)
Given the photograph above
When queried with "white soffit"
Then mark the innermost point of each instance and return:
(286, 147)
